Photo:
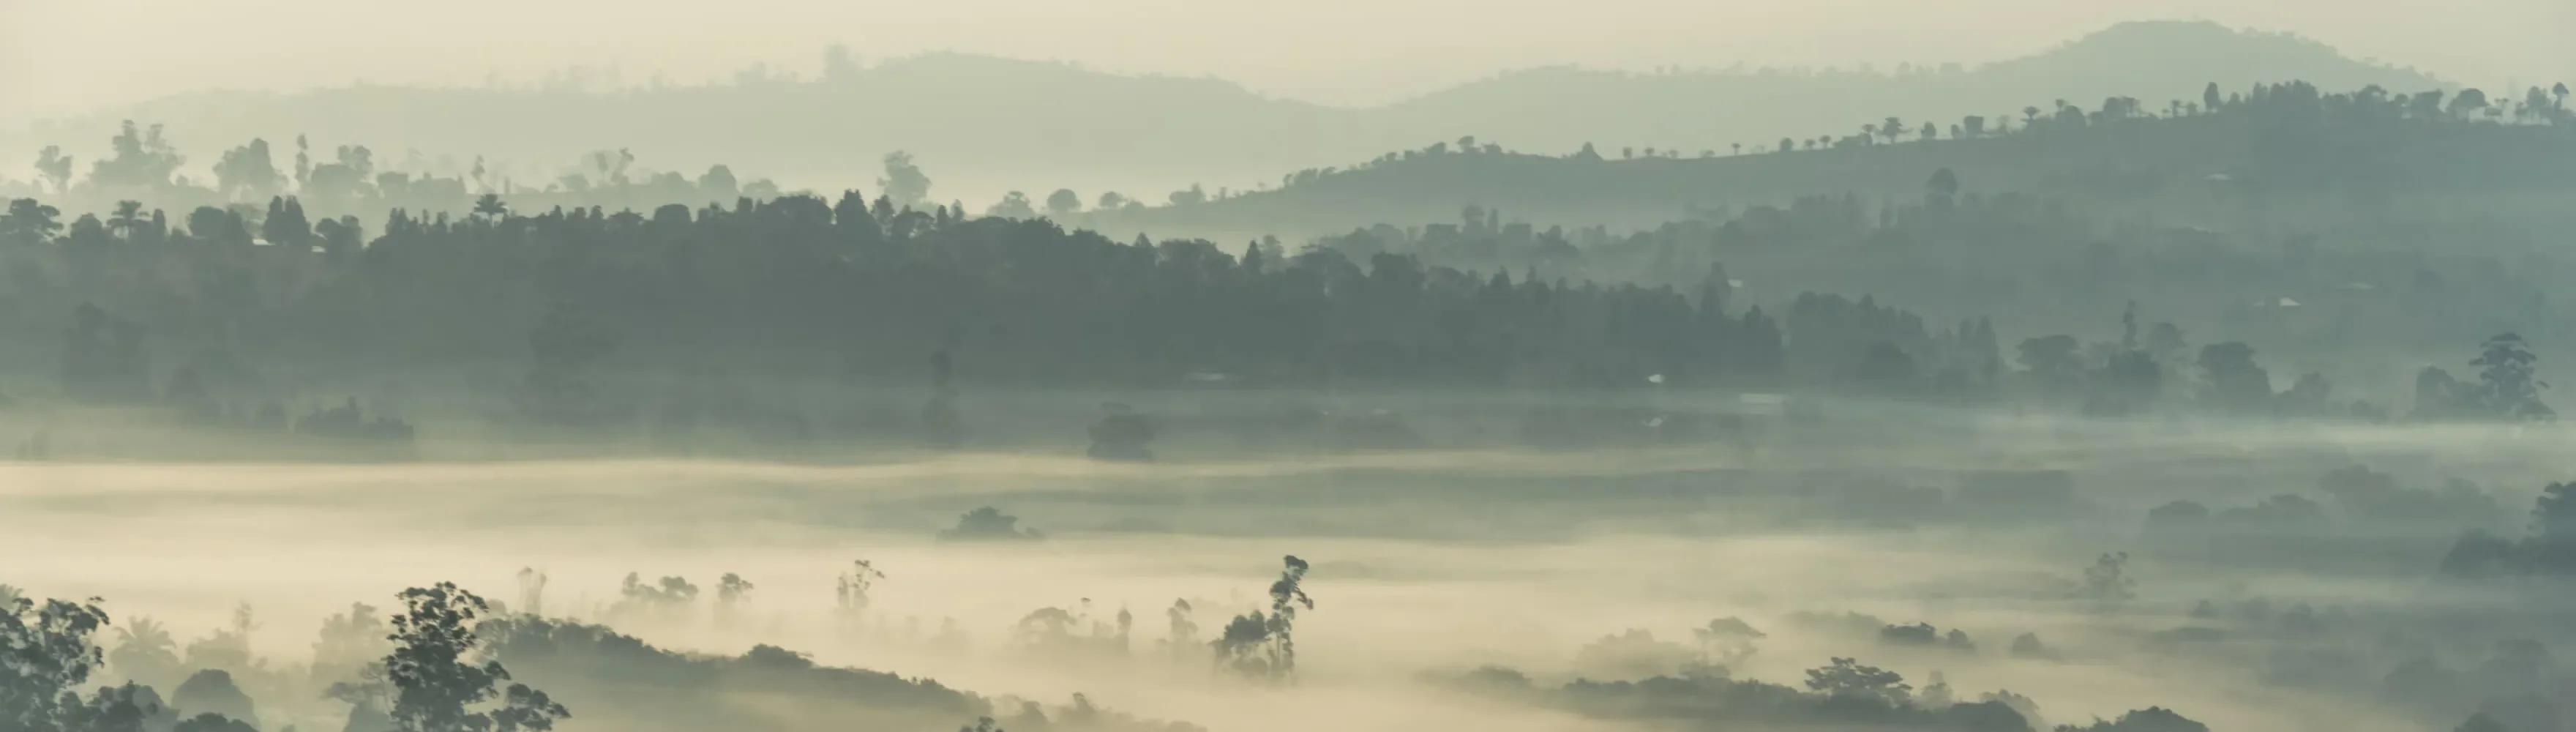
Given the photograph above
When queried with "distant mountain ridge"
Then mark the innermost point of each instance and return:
(981, 125)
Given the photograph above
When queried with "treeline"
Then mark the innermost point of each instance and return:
(858, 289)
(2293, 102)
(854, 287)
(2267, 146)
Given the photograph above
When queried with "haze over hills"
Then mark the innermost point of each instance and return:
(984, 125)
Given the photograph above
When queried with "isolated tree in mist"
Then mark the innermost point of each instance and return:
(904, 182)
(852, 587)
(1848, 679)
(2108, 581)
(1727, 641)
(1063, 203)
(55, 168)
(141, 158)
(732, 593)
(532, 592)
(1182, 634)
(2510, 389)
(246, 172)
(2234, 381)
(666, 598)
(442, 679)
(1264, 646)
(1112, 201)
(145, 651)
(986, 523)
(490, 208)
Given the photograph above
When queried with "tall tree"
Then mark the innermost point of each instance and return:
(247, 173)
(2510, 388)
(1063, 203)
(444, 681)
(56, 168)
(904, 181)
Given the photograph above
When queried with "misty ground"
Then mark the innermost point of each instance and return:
(1426, 564)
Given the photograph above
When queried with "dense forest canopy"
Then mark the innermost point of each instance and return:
(563, 308)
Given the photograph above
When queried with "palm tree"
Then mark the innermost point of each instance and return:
(144, 649)
(127, 219)
(489, 206)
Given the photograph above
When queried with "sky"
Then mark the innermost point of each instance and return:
(67, 56)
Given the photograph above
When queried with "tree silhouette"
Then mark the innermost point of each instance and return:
(246, 172)
(2506, 373)
(1846, 678)
(1063, 203)
(2107, 581)
(442, 681)
(904, 182)
(56, 168)
(46, 653)
(28, 223)
(2469, 102)
(1263, 646)
(127, 219)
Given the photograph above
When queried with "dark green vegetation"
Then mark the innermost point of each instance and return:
(2033, 398)
(584, 317)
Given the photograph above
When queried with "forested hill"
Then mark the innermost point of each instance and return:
(2266, 144)
(985, 125)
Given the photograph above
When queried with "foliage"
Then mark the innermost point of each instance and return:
(987, 523)
(442, 679)
(1258, 646)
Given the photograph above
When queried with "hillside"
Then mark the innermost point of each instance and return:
(1559, 109)
(984, 125)
(2295, 143)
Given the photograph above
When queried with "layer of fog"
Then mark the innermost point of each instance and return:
(1410, 579)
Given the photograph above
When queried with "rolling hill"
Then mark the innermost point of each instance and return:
(984, 125)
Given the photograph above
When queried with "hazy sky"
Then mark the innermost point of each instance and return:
(64, 55)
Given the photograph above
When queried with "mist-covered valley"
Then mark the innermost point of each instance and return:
(2311, 608)
(1970, 403)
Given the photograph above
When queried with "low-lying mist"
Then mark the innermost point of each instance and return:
(2040, 557)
